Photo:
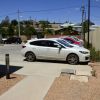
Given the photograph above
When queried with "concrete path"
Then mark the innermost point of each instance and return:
(31, 88)
(40, 76)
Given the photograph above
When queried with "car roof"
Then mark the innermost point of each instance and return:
(54, 39)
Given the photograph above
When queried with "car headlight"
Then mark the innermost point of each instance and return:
(84, 52)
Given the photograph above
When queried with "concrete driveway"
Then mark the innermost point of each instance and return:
(40, 75)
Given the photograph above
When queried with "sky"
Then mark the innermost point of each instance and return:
(52, 10)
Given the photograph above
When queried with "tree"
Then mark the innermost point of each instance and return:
(29, 31)
(5, 22)
(68, 30)
(14, 22)
(85, 26)
(3, 32)
(44, 24)
(10, 31)
(48, 31)
(27, 22)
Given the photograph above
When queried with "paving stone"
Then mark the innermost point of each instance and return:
(83, 72)
(79, 78)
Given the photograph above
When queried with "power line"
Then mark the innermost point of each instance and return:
(43, 10)
(47, 10)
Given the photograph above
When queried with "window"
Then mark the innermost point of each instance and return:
(45, 43)
(52, 44)
(64, 43)
(70, 41)
(39, 43)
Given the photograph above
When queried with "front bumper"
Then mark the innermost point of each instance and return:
(84, 58)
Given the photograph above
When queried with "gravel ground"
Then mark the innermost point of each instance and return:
(6, 84)
(65, 89)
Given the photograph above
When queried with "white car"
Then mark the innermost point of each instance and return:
(54, 49)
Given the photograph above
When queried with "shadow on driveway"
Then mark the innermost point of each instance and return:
(12, 69)
(60, 62)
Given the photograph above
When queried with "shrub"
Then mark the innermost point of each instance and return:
(94, 55)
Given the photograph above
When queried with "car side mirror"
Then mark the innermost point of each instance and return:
(59, 46)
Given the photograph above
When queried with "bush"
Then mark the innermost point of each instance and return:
(94, 55)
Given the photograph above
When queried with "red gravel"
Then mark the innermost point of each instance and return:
(6, 84)
(65, 89)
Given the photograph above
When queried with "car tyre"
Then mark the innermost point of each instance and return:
(30, 56)
(72, 59)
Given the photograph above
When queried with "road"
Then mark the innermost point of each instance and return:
(13, 50)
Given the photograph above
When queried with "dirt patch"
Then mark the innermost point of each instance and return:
(65, 89)
(6, 84)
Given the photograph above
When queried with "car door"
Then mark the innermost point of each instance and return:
(56, 51)
(39, 48)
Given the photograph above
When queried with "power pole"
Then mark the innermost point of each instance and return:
(84, 21)
(88, 22)
(18, 23)
(82, 29)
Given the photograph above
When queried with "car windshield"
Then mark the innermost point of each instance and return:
(75, 38)
(64, 43)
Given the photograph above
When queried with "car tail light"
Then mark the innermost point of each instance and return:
(23, 46)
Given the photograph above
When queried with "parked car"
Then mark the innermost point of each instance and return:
(72, 44)
(11, 40)
(77, 39)
(3, 40)
(54, 49)
(72, 40)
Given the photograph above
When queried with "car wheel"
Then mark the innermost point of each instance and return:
(30, 56)
(5, 42)
(72, 59)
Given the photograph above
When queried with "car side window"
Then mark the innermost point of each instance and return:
(39, 43)
(53, 44)
(45, 43)
(34, 43)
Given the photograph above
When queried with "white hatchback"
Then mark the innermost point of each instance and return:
(54, 49)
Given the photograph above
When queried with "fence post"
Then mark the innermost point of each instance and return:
(7, 66)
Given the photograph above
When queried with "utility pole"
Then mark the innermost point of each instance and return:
(82, 29)
(88, 22)
(18, 23)
(84, 21)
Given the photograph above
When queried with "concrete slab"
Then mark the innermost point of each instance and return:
(83, 72)
(79, 78)
(31, 88)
